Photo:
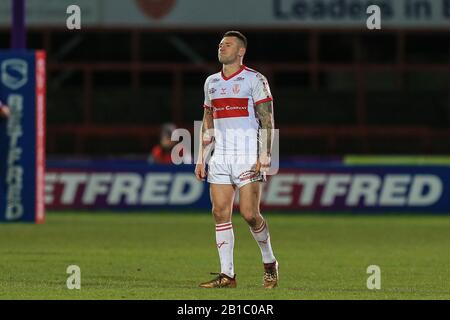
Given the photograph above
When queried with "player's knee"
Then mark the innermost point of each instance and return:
(251, 222)
(250, 217)
(221, 213)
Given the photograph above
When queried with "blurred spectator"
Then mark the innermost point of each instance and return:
(161, 153)
(4, 110)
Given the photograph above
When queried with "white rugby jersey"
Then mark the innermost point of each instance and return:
(232, 100)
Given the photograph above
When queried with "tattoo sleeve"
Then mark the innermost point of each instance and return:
(264, 113)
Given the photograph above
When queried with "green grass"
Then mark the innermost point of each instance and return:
(165, 256)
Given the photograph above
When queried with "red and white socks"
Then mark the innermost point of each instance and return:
(262, 237)
(225, 246)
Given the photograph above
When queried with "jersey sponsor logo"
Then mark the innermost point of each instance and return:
(212, 90)
(239, 79)
(224, 91)
(215, 80)
(230, 107)
(236, 88)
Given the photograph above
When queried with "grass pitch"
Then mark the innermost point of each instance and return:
(166, 255)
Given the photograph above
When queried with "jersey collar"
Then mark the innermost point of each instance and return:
(234, 74)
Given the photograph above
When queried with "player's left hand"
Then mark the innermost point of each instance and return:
(263, 163)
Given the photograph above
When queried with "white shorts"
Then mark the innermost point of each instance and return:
(233, 169)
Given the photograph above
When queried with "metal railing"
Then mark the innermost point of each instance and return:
(360, 130)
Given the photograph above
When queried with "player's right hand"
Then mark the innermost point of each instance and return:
(200, 171)
(263, 163)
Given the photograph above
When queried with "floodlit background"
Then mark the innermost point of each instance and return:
(339, 88)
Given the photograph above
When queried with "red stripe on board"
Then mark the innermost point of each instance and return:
(40, 58)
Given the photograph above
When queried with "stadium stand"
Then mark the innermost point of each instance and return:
(336, 91)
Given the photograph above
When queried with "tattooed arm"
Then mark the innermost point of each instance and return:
(264, 112)
(206, 142)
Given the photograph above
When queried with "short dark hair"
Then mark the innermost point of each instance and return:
(238, 35)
